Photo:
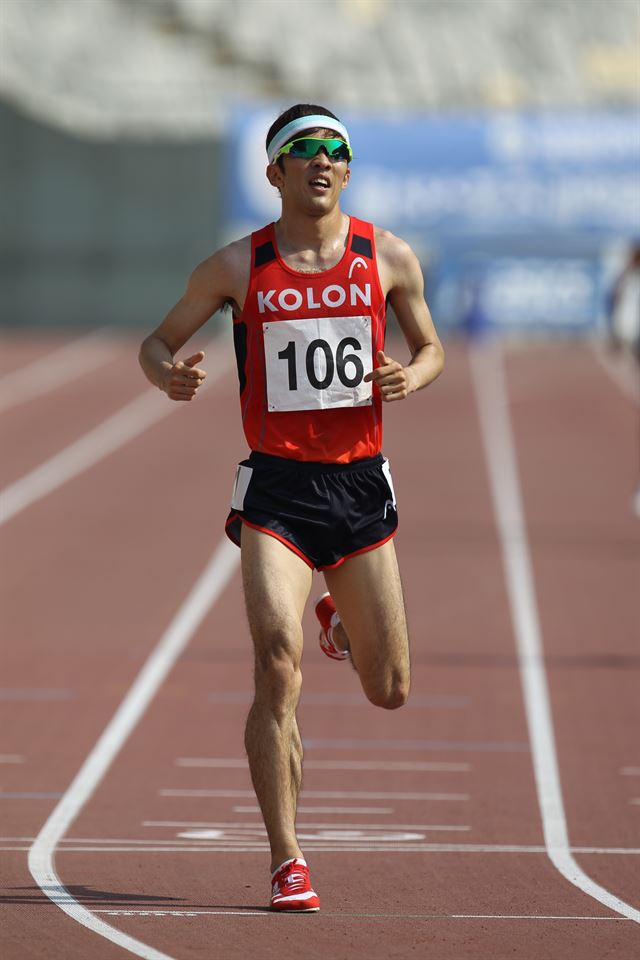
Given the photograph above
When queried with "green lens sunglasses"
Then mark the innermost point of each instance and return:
(307, 147)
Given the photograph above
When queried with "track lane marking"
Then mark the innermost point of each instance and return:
(303, 809)
(325, 847)
(358, 916)
(416, 700)
(185, 913)
(321, 795)
(363, 743)
(331, 833)
(242, 824)
(410, 765)
(57, 368)
(188, 618)
(106, 845)
(492, 400)
(108, 436)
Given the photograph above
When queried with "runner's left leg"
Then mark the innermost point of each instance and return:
(367, 592)
(276, 587)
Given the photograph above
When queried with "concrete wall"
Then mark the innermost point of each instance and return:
(100, 233)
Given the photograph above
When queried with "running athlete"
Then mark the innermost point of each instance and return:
(308, 295)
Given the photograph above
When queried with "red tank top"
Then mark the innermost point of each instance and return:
(304, 342)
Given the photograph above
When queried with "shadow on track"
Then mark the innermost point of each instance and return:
(85, 895)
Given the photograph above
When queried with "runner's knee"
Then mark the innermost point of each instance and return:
(278, 677)
(389, 692)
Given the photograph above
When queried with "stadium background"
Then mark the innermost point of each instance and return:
(499, 137)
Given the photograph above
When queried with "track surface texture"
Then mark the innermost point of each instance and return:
(441, 831)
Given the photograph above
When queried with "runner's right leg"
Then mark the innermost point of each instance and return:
(276, 587)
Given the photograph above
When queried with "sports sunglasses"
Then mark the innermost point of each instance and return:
(307, 147)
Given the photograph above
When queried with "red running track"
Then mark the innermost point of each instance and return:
(422, 826)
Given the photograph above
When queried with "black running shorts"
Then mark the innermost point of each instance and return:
(324, 512)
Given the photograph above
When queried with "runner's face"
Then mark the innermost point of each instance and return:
(313, 185)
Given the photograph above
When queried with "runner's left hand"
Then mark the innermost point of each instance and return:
(391, 377)
(182, 380)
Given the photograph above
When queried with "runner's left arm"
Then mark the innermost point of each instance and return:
(406, 295)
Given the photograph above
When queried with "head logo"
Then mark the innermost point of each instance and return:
(357, 262)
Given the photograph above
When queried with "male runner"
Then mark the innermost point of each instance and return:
(308, 296)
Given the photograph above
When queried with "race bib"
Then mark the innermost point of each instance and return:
(318, 364)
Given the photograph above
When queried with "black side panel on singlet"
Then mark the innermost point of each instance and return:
(240, 345)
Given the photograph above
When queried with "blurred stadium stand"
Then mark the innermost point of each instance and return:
(149, 67)
(115, 115)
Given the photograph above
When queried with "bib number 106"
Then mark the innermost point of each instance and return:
(347, 365)
(318, 363)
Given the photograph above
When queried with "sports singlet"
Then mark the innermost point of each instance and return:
(304, 343)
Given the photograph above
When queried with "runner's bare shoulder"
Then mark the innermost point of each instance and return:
(397, 262)
(225, 274)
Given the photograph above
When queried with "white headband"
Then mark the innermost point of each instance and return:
(304, 123)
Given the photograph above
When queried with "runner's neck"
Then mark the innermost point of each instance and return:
(312, 243)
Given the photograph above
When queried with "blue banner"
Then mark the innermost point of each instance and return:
(519, 208)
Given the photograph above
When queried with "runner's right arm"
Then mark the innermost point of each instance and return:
(212, 283)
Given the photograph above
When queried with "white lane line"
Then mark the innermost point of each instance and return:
(387, 743)
(121, 427)
(350, 835)
(419, 701)
(11, 758)
(259, 827)
(359, 838)
(359, 916)
(186, 913)
(630, 771)
(416, 700)
(492, 402)
(621, 368)
(323, 846)
(241, 764)
(60, 366)
(237, 846)
(526, 916)
(356, 916)
(322, 794)
(228, 832)
(633, 851)
(107, 841)
(188, 618)
(303, 809)
(635, 800)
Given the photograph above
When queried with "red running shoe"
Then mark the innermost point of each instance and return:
(291, 888)
(328, 617)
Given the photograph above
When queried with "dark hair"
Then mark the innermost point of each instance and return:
(293, 113)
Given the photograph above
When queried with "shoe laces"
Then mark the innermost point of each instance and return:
(295, 877)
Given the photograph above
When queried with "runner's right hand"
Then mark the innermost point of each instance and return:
(182, 380)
